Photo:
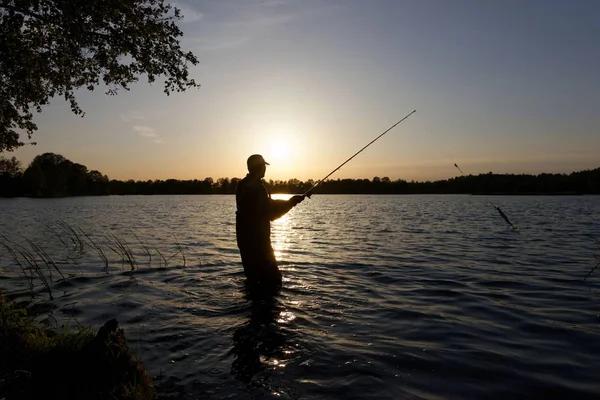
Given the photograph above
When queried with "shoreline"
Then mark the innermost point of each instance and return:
(94, 364)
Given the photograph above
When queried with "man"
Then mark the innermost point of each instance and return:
(255, 211)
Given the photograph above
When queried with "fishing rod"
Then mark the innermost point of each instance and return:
(502, 214)
(355, 154)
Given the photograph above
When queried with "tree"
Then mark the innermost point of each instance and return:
(10, 166)
(97, 184)
(53, 48)
(46, 176)
(222, 185)
(11, 173)
(76, 178)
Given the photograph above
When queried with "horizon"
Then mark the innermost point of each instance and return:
(267, 179)
(337, 175)
(507, 87)
(333, 177)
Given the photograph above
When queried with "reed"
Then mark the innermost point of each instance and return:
(125, 251)
(144, 247)
(98, 249)
(38, 266)
(74, 236)
(27, 261)
(115, 250)
(5, 243)
(166, 262)
(60, 237)
(46, 259)
(180, 249)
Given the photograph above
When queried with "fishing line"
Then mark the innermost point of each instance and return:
(355, 154)
(597, 261)
(500, 212)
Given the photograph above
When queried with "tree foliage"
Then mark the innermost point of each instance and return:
(10, 166)
(52, 175)
(575, 183)
(52, 48)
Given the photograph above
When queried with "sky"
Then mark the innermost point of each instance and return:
(502, 86)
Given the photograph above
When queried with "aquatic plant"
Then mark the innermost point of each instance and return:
(164, 259)
(124, 251)
(144, 247)
(180, 249)
(45, 258)
(39, 265)
(75, 238)
(98, 249)
(27, 262)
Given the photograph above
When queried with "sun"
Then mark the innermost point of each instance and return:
(279, 150)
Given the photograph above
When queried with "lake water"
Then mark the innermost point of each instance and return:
(384, 297)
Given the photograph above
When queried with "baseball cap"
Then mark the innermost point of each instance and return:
(256, 159)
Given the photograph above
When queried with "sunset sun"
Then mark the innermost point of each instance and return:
(279, 151)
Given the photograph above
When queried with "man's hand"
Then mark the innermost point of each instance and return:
(297, 199)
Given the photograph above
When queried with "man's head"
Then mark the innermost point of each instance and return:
(257, 165)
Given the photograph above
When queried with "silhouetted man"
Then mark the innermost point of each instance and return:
(255, 211)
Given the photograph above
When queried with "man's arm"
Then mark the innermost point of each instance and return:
(278, 208)
(254, 200)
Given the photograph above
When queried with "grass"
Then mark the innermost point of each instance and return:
(72, 234)
(98, 249)
(163, 258)
(27, 273)
(46, 259)
(36, 362)
(124, 251)
(144, 247)
(180, 249)
(28, 263)
(39, 267)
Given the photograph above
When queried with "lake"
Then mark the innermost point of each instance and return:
(384, 297)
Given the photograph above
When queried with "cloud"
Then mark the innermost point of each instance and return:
(132, 116)
(148, 132)
(135, 117)
(145, 131)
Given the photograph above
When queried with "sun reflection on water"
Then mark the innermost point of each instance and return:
(285, 317)
(280, 230)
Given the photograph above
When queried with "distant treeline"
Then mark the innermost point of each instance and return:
(52, 175)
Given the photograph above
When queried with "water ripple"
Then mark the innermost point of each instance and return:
(385, 297)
